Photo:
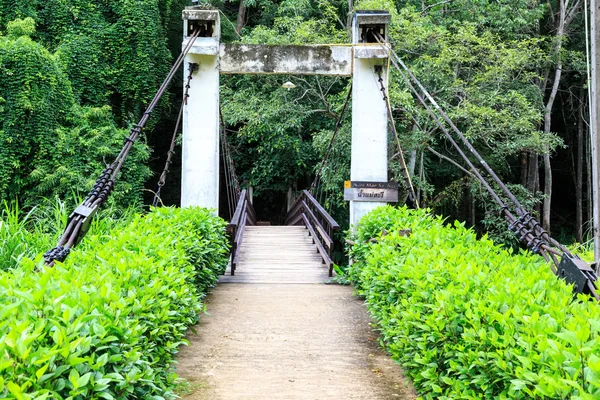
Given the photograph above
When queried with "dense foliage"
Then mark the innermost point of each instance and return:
(49, 144)
(108, 322)
(468, 319)
(74, 75)
(511, 74)
(112, 51)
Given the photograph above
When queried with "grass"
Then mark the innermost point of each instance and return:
(185, 388)
(584, 250)
(28, 233)
(20, 235)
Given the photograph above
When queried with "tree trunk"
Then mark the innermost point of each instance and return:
(588, 157)
(471, 206)
(241, 19)
(533, 173)
(412, 163)
(421, 179)
(560, 30)
(579, 175)
(524, 168)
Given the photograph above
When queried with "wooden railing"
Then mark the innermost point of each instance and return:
(244, 215)
(308, 212)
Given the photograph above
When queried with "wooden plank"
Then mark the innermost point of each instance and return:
(265, 258)
(274, 228)
(277, 255)
(265, 255)
(238, 210)
(284, 269)
(239, 236)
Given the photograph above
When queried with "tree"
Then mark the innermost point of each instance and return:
(50, 145)
(566, 13)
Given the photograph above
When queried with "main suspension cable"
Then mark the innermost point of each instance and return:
(80, 219)
(193, 67)
(533, 224)
(405, 173)
(525, 226)
(535, 243)
(338, 125)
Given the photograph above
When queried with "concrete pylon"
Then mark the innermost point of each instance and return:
(369, 161)
(200, 158)
(200, 173)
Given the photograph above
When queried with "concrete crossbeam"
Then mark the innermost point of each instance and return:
(286, 59)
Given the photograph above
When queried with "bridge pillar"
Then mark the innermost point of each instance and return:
(200, 148)
(369, 158)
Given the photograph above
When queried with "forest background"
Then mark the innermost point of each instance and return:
(75, 75)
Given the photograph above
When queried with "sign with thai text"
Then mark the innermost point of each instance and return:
(371, 191)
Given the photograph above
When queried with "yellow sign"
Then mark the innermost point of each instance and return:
(347, 184)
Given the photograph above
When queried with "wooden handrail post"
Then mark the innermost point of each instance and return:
(320, 224)
(244, 215)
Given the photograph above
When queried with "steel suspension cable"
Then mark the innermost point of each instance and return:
(524, 216)
(338, 125)
(405, 173)
(226, 172)
(527, 226)
(524, 220)
(80, 219)
(234, 187)
(193, 67)
(536, 244)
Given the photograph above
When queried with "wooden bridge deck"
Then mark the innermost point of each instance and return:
(277, 254)
(275, 332)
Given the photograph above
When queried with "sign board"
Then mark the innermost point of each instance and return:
(371, 191)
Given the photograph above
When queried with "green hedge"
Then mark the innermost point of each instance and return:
(470, 320)
(108, 322)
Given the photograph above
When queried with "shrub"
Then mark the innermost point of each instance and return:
(107, 323)
(470, 320)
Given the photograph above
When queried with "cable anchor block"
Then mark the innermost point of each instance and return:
(578, 273)
(85, 214)
(193, 68)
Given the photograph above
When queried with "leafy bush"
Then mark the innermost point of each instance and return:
(470, 320)
(107, 323)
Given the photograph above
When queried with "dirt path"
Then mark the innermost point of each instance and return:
(288, 341)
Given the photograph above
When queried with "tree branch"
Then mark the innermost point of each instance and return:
(572, 12)
(441, 3)
(443, 157)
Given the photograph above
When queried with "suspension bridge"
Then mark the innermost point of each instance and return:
(274, 323)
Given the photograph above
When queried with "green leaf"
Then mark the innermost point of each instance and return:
(84, 379)
(40, 372)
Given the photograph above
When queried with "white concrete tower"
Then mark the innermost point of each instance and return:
(200, 158)
(369, 161)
